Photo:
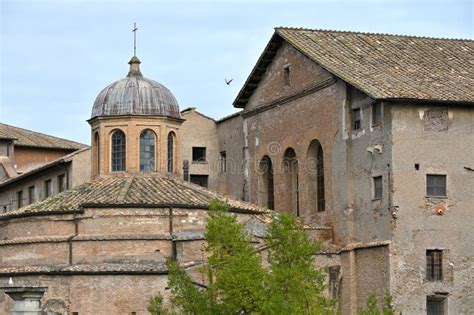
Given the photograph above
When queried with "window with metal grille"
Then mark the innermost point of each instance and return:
(320, 180)
(170, 152)
(118, 151)
(61, 183)
(356, 119)
(31, 194)
(19, 199)
(199, 154)
(435, 305)
(378, 187)
(434, 265)
(47, 188)
(223, 162)
(436, 185)
(147, 151)
(376, 114)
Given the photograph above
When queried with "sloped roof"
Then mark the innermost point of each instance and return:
(138, 190)
(64, 159)
(27, 138)
(385, 67)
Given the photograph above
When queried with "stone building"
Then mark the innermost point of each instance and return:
(369, 138)
(34, 166)
(101, 247)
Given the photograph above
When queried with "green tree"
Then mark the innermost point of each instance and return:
(372, 305)
(237, 281)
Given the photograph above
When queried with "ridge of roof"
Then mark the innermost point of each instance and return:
(368, 33)
(194, 110)
(52, 142)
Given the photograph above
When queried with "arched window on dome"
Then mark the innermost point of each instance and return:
(118, 151)
(147, 151)
(171, 154)
(96, 153)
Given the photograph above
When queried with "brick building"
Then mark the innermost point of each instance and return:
(372, 137)
(369, 138)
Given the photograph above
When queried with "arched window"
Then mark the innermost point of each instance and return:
(147, 151)
(170, 152)
(96, 153)
(315, 163)
(290, 169)
(266, 183)
(118, 151)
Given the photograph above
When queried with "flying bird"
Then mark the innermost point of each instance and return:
(228, 82)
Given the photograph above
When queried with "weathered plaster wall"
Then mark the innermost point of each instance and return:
(200, 131)
(231, 140)
(28, 158)
(444, 145)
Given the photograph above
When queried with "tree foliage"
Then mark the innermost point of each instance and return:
(372, 305)
(237, 281)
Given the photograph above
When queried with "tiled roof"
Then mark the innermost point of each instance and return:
(28, 138)
(383, 66)
(132, 191)
(64, 159)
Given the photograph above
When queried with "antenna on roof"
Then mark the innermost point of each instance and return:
(135, 29)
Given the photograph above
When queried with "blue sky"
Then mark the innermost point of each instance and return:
(57, 55)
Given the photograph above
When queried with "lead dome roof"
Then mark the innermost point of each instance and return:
(135, 95)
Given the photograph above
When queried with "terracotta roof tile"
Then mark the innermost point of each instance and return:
(132, 191)
(28, 138)
(388, 66)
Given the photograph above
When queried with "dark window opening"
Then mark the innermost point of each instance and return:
(435, 305)
(287, 75)
(320, 180)
(376, 114)
(223, 162)
(147, 151)
(417, 166)
(97, 152)
(118, 151)
(434, 265)
(19, 199)
(47, 188)
(200, 180)
(31, 194)
(378, 187)
(170, 152)
(266, 183)
(356, 119)
(186, 170)
(62, 183)
(199, 154)
(436, 185)
(290, 171)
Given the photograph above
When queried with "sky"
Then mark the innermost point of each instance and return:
(57, 55)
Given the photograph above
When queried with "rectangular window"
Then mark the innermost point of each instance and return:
(436, 185)
(286, 74)
(62, 183)
(223, 162)
(200, 180)
(376, 113)
(435, 305)
(47, 188)
(356, 119)
(434, 265)
(19, 199)
(378, 187)
(199, 154)
(31, 194)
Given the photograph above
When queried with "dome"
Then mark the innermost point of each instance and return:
(135, 95)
